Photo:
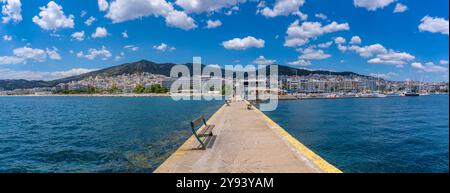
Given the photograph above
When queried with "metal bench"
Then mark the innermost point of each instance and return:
(227, 102)
(205, 133)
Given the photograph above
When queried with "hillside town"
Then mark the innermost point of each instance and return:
(288, 85)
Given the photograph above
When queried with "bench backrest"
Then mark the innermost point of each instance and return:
(200, 119)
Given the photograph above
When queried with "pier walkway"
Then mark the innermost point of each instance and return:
(245, 141)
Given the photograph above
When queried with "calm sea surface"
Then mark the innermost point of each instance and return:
(93, 134)
(394, 134)
(107, 134)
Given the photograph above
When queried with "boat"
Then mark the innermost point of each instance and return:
(409, 94)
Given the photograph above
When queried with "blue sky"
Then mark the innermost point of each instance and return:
(393, 39)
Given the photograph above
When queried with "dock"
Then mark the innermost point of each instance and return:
(245, 141)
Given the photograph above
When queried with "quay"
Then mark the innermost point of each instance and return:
(245, 141)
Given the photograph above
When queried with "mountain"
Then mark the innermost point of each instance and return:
(144, 66)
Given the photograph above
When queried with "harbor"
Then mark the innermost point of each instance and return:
(245, 140)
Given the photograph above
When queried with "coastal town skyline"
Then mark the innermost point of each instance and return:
(393, 40)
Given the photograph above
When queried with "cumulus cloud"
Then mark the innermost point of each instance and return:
(213, 24)
(261, 60)
(298, 35)
(378, 54)
(400, 8)
(37, 75)
(22, 54)
(163, 47)
(89, 21)
(428, 67)
(281, 8)
(199, 6)
(325, 45)
(53, 54)
(392, 57)
(7, 37)
(300, 62)
(52, 17)
(312, 54)
(123, 10)
(11, 11)
(30, 53)
(339, 40)
(103, 5)
(355, 40)
(94, 53)
(369, 51)
(388, 75)
(434, 25)
(243, 44)
(78, 36)
(321, 16)
(372, 5)
(100, 32)
(10, 60)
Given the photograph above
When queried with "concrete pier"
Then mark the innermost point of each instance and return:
(245, 141)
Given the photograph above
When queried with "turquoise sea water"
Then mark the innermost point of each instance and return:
(113, 134)
(394, 134)
(93, 134)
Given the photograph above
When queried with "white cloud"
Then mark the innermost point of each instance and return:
(388, 75)
(181, 20)
(100, 32)
(312, 54)
(428, 67)
(243, 44)
(125, 34)
(120, 56)
(22, 54)
(123, 10)
(400, 8)
(52, 17)
(78, 35)
(93, 53)
(261, 60)
(90, 20)
(443, 62)
(342, 48)
(10, 60)
(103, 5)
(392, 57)
(163, 47)
(131, 47)
(355, 40)
(339, 40)
(213, 24)
(53, 54)
(300, 62)
(281, 8)
(301, 15)
(11, 11)
(325, 45)
(298, 35)
(321, 16)
(372, 5)
(7, 37)
(36, 75)
(30, 53)
(434, 25)
(199, 6)
(369, 51)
